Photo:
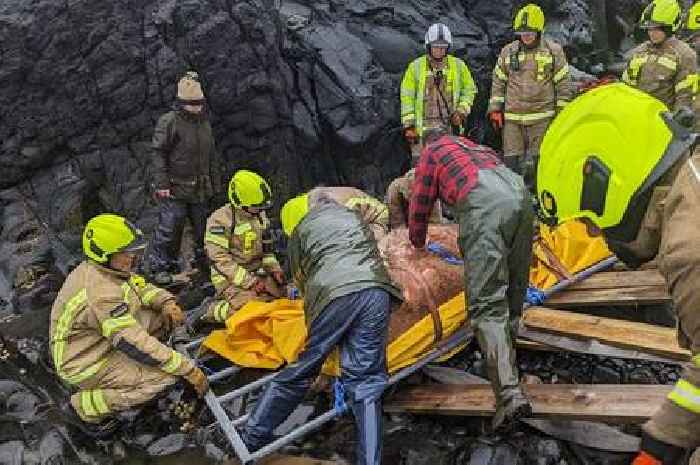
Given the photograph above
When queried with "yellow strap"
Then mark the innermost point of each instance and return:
(216, 240)
(500, 74)
(561, 74)
(529, 116)
(173, 363)
(64, 325)
(667, 63)
(241, 228)
(686, 396)
(113, 325)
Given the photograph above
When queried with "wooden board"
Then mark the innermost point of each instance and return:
(607, 403)
(643, 287)
(628, 334)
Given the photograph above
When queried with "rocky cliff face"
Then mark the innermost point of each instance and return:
(305, 92)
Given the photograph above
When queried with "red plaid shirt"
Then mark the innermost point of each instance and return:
(448, 170)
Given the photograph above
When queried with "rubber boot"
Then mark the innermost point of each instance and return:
(368, 423)
(512, 406)
(654, 452)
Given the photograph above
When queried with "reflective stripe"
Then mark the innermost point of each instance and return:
(668, 63)
(216, 278)
(216, 239)
(563, 72)
(241, 228)
(500, 74)
(269, 260)
(689, 81)
(174, 363)
(632, 72)
(221, 311)
(63, 327)
(498, 100)
(529, 116)
(148, 297)
(686, 396)
(93, 403)
(112, 325)
(543, 59)
(239, 276)
(126, 289)
(89, 372)
(694, 168)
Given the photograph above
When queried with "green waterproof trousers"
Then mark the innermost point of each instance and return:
(495, 229)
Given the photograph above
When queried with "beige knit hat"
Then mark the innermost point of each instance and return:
(189, 90)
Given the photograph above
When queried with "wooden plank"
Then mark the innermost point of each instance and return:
(635, 295)
(618, 404)
(638, 336)
(620, 279)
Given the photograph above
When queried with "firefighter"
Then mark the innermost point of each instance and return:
(373, 212)
(240, 248)
(495, 217)
(186, 175)
(633, 178)
(106, 324)
(397, 197)
(693, 32)
(664, 67)
(437, 89)
(346, 307)
(530, 85)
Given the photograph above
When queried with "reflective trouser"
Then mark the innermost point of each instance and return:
(677, 422)
(521, 148)
(167, 237)
(495, 229)
(123, 383)
(358, 324)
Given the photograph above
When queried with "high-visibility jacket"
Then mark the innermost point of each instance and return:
(93, 316)
(667, 71)
(371, 210)
(234, 245)
(460, 87)
(530, 84)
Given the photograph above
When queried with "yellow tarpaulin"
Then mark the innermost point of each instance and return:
(268, 335)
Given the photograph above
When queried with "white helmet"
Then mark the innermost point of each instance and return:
(438, 34)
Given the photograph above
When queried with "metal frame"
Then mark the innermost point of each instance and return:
(229, 425)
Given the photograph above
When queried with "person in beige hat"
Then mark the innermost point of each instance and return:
(186, 174)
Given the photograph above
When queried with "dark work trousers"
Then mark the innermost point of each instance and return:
(167, 238)
(358, 324)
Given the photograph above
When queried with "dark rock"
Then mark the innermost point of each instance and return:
(167, 445)
(605, 375)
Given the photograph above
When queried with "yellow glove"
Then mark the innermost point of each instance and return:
(173, 314)
(198, 380)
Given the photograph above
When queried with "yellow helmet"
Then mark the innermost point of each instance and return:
(107, 234)
(693, 23)
(602, 156)
(661, 13)
(530, 18)
(293, 212)
(249, 189)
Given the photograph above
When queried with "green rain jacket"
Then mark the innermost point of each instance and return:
(332, 253)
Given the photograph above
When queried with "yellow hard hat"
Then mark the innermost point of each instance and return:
(107, 234)
(661, 13)
(530, 18)
(602, 156)
(693, 23)
(293, 212)
(249, 189)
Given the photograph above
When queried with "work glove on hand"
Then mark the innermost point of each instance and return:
(457, 118)
(279, 277)
(411, 135)
(174, 316)
(198, 380)
(496, 118)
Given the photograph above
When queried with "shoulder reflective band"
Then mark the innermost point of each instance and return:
(92, 403)
(667, 63)
(173, 363)
(529, 116)
(379, 209)
(150, 294)
(563, 72)
(113, 325)
(632, 72)
(216, 240)
(686, 396)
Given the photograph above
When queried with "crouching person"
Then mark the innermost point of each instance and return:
(240, 249)
(105, 328)
(347, 298)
